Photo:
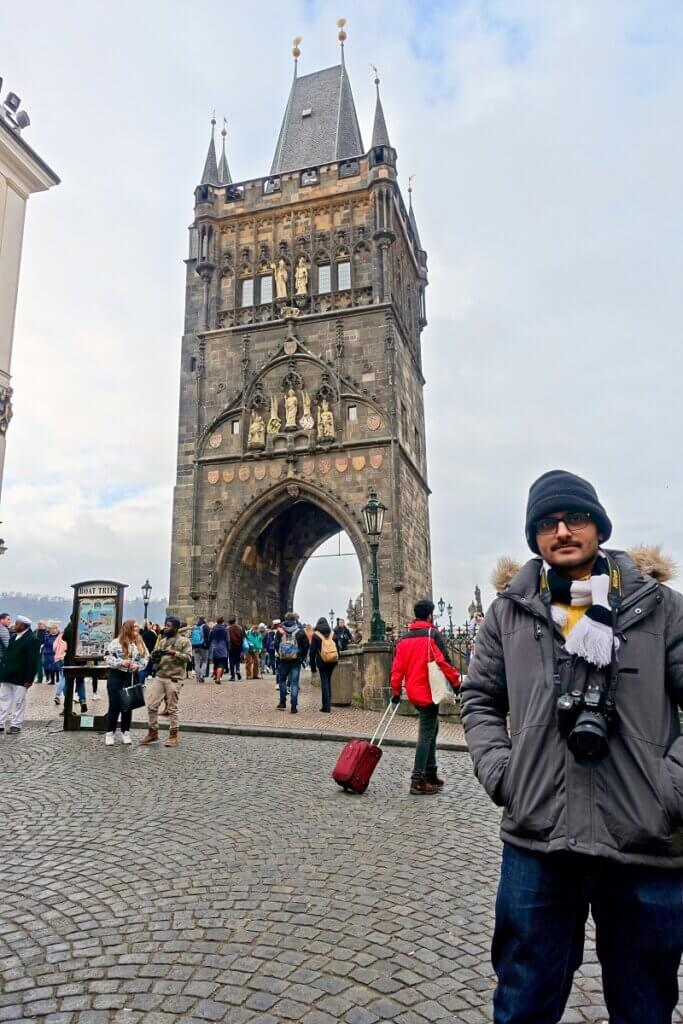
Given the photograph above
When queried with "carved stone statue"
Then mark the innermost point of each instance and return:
(291, 409)
(325, 422)
(301, 277)
(281, 278)
(274, 423)
(257, 430)
(306, 402)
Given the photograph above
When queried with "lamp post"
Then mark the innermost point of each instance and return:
(332, 618)
(373, 515)
(450, 620)
(441, 604)
(146, 592)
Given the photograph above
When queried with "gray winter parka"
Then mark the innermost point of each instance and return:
(628, 807)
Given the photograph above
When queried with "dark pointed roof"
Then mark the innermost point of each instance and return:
(380, 135)
(320, 123)
(412, 220)
(210, 173)
(223, 169)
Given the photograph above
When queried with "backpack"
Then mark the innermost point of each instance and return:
(328, 649)
(197, 636)
(289, 647)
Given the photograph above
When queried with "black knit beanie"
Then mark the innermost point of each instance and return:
(560, 491)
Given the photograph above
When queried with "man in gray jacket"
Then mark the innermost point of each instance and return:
(584, 651)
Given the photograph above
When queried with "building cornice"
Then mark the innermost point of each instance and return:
(21, 166)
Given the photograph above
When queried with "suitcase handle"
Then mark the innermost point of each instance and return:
(387, 717)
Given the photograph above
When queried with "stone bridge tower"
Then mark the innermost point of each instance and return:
(301, 376)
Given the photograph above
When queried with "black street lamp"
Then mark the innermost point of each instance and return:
(441, 605)
(450, 620)
(373, 514)
(332, 617)
(146, 593)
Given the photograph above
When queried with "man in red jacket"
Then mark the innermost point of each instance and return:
(420, 645)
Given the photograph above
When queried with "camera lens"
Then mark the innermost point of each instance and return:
(588, 739)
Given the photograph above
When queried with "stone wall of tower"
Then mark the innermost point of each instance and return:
(359, 345)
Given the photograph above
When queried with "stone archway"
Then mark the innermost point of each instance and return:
(267, 548)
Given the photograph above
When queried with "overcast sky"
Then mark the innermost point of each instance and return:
(545, 138)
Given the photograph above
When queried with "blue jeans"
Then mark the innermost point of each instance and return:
(541, 911)
(289, 670)
(79, 687)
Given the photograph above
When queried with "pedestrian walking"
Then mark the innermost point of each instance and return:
(200, 649)
(124, 657)
(40, 634)
(171, 657)
(17, 672)
(53, 654)
(5, 621)
(342, 635)
(253, 658)
(324, 656)
(583, 649)
(269, 650)
(235, 644)
(218, 644)
(291, 645)
(414, 651)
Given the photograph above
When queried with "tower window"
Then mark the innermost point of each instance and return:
(324, 279)
(404, 422)
(343, 276)
(353, 413)
(267, 288)
(235, 427)
(248, 291)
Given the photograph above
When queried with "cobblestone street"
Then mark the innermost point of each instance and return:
(231, 880)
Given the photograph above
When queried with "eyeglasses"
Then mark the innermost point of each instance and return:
(574, 521)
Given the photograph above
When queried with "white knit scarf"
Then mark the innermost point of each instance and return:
(592, 636)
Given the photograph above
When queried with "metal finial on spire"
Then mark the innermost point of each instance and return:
(341, 36)
(213, 122)
(224, 129)
(374, 68)
(410, 188)
(296, 52)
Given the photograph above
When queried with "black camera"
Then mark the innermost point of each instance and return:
(585, 720)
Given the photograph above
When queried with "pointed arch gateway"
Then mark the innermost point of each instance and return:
(266, 549)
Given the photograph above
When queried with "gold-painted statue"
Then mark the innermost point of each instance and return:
(306, 402)
(291, 409)
(301, 277)
(274, 423)
(257, 430)
(281, 278)
(325, 422)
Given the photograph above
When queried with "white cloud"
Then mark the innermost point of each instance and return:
(548, 163)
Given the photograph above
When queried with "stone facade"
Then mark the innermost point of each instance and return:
(251, 506)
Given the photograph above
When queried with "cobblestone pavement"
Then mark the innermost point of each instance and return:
(231, 880)
(252, 703)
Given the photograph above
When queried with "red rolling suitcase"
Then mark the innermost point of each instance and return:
(359, 758)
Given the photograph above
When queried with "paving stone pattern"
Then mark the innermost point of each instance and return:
(231, 880)
(252, 703)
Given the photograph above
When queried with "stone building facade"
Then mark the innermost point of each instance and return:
(301, 376)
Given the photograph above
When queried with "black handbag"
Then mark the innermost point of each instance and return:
(132, 697)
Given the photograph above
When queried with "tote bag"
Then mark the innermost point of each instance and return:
(440, 688)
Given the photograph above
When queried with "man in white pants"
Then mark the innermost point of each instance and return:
(17, 672)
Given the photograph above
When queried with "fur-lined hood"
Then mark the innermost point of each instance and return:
(650, 561)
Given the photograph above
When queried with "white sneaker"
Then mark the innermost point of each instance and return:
(95, 696)
(125, 738)
(109, 739)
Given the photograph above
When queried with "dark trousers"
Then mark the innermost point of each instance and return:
(115, 683)
(326, 671)
(235, 660)
(425, 751)
(541, 911)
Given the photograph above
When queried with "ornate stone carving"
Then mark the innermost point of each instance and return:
(257, 430)
(325, 422)
(274, 423)
(293, 490)
(228, 476)
(292, 378)
(212, 476)
(215, 440)
(301, 276)
(291, 409)
(326, 391)
(281, 273)
(306, 422)
(374, 421)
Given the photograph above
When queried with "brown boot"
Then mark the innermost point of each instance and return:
(423, 789)
(151, 737)
(435, 781)
(172, 740)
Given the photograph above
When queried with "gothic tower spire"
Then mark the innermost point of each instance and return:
(210, 173)
(223, 170)
(380, 135)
